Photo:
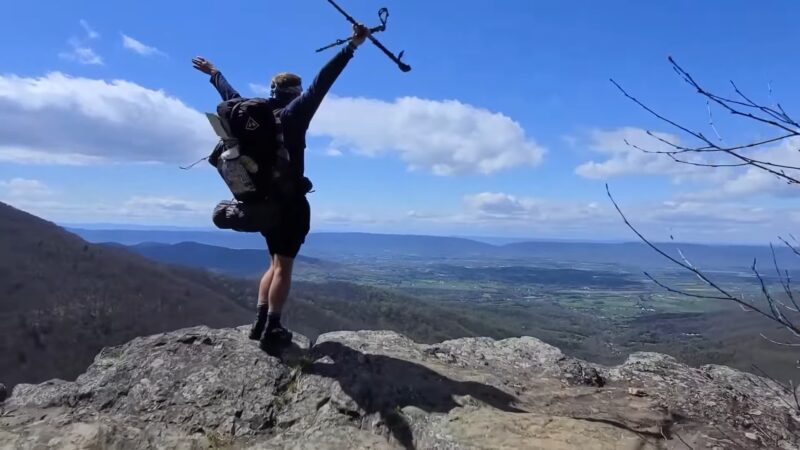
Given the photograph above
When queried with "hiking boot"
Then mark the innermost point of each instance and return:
(257, 330)
(275, 340)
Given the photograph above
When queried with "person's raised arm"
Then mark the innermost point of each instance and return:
(226, 91)
(308, 102)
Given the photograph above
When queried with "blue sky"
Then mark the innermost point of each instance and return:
(507, 125)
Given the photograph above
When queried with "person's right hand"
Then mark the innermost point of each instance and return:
(203, 65)
(360, 33)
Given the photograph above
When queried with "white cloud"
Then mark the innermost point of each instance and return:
(504, 214)
(37, 157)
(499, 206)
(331, 151)
(482, 210)
(152, 204)
(90, 32)
(81, 53)
(712, 183)
(444, 137)
(260, 89)
(700, 213)
(59, 119)
(137, 209)
(734, 184)
(338, 217)
(624, 159)
(23, 188)
(139, 47)
(496, 203)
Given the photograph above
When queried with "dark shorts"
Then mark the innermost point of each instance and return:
(291, 228)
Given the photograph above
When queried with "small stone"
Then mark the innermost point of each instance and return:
(637, 392)
(755, 412)
(751, 436)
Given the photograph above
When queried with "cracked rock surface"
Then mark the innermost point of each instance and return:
(201, 388)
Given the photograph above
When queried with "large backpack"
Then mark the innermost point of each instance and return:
(250, 155)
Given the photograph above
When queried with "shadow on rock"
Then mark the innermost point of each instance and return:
(381, 384)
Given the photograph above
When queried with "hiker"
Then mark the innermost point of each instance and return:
(295, 109)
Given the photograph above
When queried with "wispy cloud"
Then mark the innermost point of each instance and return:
(36, 198)
(621, 157)
(90, 32)
(139, 47)
(169, 204)
(260, 89)
(81, 53)
(23, 188)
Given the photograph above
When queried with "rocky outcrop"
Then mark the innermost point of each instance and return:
(203, 388)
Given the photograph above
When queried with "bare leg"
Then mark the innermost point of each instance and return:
(263, 299)
(281, 282)
(264, 285)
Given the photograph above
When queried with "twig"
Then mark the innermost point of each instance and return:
(766, 435)
(684, 442)
(793, 248)
(787, 344)
(786, 284)
(725, 294)
(728, 437)
(787, 389)
(711, 121)
(776, 313)
(776, 118)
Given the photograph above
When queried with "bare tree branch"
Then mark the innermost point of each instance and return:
(786, 389)
(771, 117)
(775, 314)
(793, 248)
(786, 283)
(781, 311)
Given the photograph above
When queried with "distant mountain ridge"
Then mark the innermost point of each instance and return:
(334, 246)
(238, 262)
(63, 299)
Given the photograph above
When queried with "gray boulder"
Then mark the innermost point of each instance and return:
(202, 388)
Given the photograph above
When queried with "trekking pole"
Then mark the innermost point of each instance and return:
(383, 14)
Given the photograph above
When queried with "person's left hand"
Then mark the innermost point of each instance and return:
(203, 65)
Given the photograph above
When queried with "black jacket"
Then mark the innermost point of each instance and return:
(298, 112)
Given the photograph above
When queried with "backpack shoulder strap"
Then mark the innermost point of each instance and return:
(282, 151)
